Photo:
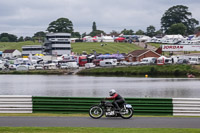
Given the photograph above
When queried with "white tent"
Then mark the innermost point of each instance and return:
(107, 39)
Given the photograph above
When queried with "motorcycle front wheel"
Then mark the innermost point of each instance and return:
(96, 112)
(127, 114)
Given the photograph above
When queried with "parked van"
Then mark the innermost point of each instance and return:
(72, 65)
(148, 61)
(108, 63)
(195, 60)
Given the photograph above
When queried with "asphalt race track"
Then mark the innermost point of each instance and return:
(135, 122)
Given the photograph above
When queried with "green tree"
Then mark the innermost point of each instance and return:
(139, 32)
(4, 39)
(76, 35)
(61, 25)
(197, 29)
(177, 29)
(84, 34)
(178, 14)
(97, 32)
(28, 38)
(21, 39)
(39, 36)
(94, 27)
(114, 33)
(11, 37)
(159, 33)
(127, 32)
(151, 31)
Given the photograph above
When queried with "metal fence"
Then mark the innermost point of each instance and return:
(143, 106)
(15, 104)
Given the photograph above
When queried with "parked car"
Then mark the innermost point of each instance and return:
(183, 61)
(89, 65)
(31, 67)
(39, 67)
(52, 66)
(12, 67)
(64, 66)
(22, 68)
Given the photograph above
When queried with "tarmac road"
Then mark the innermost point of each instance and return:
(135, 122)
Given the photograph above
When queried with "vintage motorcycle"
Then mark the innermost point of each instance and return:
(107, 108)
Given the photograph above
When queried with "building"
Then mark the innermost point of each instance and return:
(11, 53)
(57, 44)
(138, 55)
(54, 44)
(31, 49)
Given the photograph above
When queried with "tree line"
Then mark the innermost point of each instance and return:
(175, 20)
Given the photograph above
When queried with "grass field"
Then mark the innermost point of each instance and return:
(15, 45)
(106, 48)
(88, 47)
(94, 130)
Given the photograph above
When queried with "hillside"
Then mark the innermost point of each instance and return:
(15, 45)
(88, 47)
(106, 48)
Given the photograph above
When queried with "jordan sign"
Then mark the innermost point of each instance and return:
(180, 48)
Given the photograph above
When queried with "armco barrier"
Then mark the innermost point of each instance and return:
(15, 104)
(144, 106)
(186, 106)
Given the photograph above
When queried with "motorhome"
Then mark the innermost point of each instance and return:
(164, 60)
(108, 63)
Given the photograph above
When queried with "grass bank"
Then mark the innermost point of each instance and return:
(151, 70)
(34, 72)
(16, 45)
(94, 130)
(79, 47)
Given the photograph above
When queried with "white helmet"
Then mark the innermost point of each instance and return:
(112, 92)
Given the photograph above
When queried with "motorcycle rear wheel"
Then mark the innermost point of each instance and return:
(128, 114)
(96, 112)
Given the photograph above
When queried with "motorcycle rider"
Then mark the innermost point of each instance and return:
(118, 100)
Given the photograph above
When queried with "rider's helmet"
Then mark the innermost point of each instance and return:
(112, 92)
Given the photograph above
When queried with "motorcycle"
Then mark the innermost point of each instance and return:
(107, 108)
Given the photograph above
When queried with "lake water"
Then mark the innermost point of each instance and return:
(90, 86)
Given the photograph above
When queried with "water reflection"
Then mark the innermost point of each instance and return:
(89, 86)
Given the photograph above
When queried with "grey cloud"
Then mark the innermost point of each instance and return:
(25, 17)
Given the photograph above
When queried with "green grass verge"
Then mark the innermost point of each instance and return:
(94, 130)
(42, 72)
(151, 70)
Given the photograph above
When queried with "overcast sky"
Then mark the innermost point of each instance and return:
(26, 17)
